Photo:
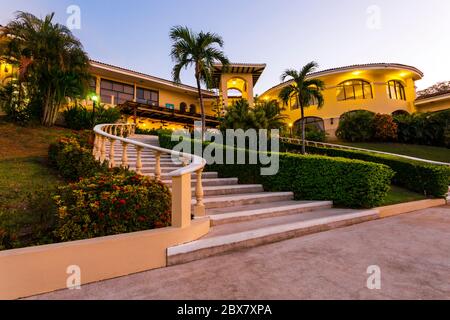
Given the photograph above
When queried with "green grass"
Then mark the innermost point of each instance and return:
(418, 151)
(399, 195)
(26, 183)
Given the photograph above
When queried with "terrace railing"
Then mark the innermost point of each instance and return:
(114, 134)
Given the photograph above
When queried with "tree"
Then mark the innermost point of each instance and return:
(49, 59)
(307, 91)
(239, 116)
(268, 115)
(200, 50)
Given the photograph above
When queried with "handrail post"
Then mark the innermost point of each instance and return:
(158, 166)
(199, 208)
(112, 162)
(121, 131)
(181, 201)
(139, 160)
(124, 155)
(96, 145)
(102, 149)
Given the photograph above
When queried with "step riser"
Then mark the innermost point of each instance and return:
(227, 191)
(209, 252)
(234, 203)
(273, 214)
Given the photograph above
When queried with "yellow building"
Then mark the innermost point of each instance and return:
(435, 98)
(150, 101)
(378, 87)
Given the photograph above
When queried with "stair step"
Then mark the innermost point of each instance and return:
(166, 176)
(266, 210)
(245, 199)
(210, 182)
(231, 189)
(272, 230)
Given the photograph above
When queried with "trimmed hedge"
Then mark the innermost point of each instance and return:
(348, 183)
(425, 178)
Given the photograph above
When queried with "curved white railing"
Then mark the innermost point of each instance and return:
(181, 178)
(338, 146)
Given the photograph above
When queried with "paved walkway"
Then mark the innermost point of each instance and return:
(412, 250)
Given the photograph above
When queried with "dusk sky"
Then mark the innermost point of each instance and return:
(282, 33)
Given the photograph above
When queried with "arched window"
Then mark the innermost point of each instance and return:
(354, 90)
(183, 107)
(311, 122)
(192, 108)
(400, 113)
(293, 103)
(396, 90)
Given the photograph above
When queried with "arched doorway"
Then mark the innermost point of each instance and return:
(183, 107)
(400, 113)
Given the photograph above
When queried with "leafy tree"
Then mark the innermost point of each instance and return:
(49, 59)
(307, 91)
(200, 50)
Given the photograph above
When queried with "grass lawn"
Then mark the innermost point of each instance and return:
(399, 195)
(418, 151)
(23, 167)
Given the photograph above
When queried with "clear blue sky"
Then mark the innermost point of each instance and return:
(281, 33)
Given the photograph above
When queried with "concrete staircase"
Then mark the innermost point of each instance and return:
(244, 216)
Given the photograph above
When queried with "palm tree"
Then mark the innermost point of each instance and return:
(306, 91)
(239, 116)
(268, 115)
(201, 50)
(50, 60)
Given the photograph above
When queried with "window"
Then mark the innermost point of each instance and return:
(354, 90)
(147, 96)
(192, 108)
(293, 103)
(183, 107)
(121, 92)
(396, 90)
(92, 84)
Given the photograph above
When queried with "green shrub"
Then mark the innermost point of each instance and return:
(349, 183)
(418, 176)
(356, 126)
(384, 127)
(109, 204)
(312, 133)
(78, 117)
(72, 157)
(424, 128)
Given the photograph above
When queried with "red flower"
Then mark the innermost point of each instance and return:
(122, 202)
(141, 219)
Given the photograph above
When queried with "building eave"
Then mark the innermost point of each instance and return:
(142, 76)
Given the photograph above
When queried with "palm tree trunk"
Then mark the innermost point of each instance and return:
(303, 131)
(302, 110)
(202, 108)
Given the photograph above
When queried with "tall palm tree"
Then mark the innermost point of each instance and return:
(200, 50)
(49, 59)
(307, 91)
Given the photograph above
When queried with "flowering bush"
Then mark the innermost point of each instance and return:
(72, 156)
(385, 129)
(111, 203)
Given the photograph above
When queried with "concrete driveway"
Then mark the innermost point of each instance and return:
(412, 251)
